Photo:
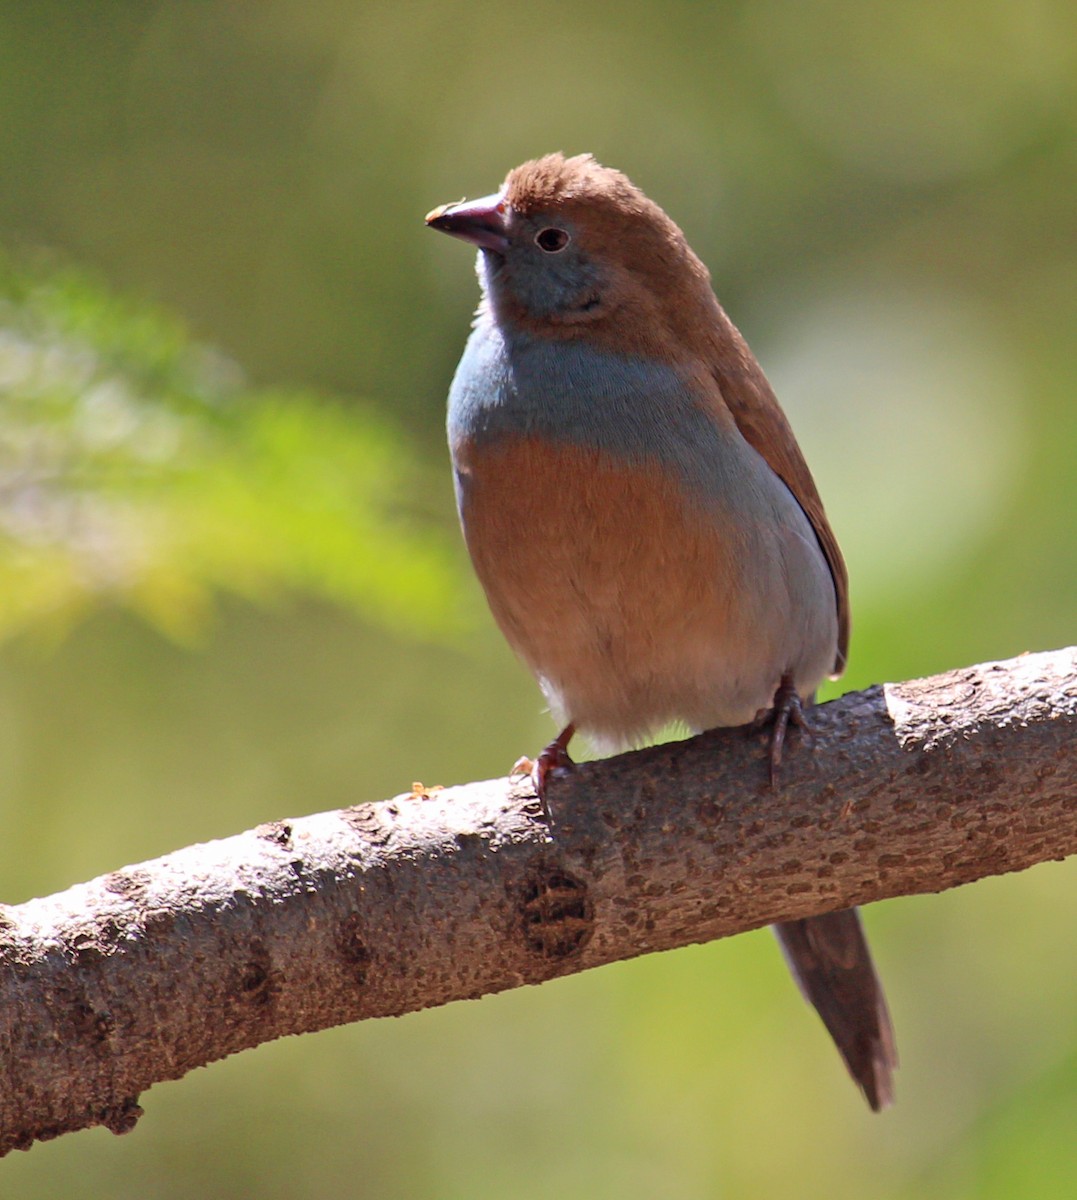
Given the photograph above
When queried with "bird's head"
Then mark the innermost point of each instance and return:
(568, 245)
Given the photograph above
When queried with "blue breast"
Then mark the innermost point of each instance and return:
(511, 384)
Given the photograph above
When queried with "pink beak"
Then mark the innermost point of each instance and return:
(480, 222)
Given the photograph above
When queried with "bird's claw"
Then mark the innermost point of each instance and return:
(553, 761)
(787, 709)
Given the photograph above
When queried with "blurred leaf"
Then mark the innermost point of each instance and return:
(136, 469)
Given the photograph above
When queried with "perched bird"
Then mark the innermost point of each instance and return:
(646, 530)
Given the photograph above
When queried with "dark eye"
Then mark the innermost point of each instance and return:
(551, 240)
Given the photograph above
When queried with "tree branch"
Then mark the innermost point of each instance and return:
(383, 908)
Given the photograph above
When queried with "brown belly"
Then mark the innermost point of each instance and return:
(634, 605)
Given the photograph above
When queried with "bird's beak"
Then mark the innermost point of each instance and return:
(481, 222)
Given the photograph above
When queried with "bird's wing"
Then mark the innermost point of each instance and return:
(763, 425)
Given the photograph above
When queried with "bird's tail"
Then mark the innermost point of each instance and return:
(831, 963)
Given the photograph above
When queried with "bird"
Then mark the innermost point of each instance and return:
(646, 530)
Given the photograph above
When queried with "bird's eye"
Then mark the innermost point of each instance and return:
(551, 240)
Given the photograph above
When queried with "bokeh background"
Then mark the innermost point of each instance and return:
(232, 588)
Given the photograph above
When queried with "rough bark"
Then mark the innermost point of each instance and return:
(382, 908)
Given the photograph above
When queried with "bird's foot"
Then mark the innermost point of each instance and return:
(553, 761)
(787, 709)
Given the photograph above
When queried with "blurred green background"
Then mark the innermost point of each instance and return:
(232, 589)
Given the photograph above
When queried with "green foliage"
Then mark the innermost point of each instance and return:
(136, 469)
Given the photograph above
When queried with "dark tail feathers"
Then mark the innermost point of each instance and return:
(830, 961)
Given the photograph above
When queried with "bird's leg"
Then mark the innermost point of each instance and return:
(787, 709)
(552, 760)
